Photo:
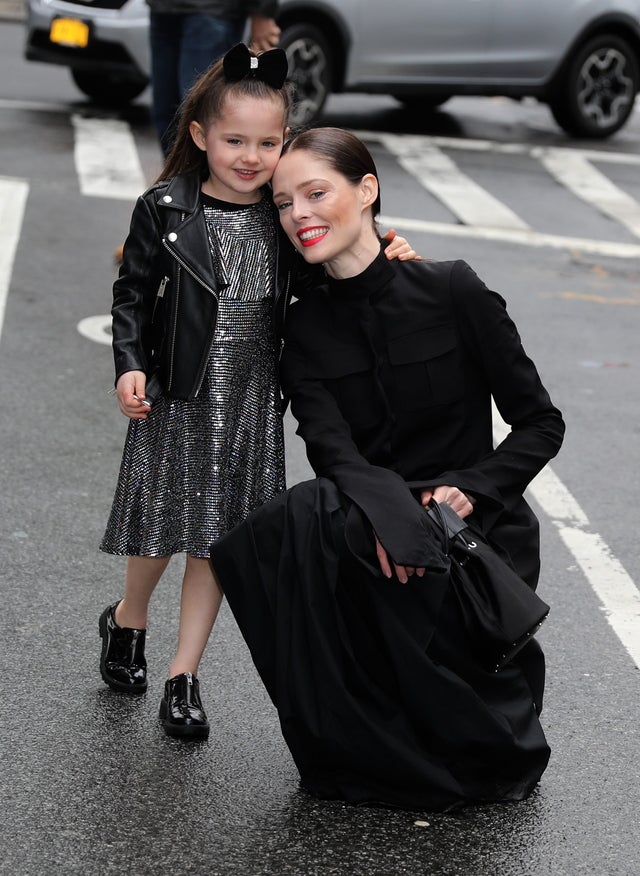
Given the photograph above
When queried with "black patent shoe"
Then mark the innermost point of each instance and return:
(181, 709)
(122, 663)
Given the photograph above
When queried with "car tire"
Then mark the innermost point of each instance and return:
(108, 89)
(310, 71)
(596, 92)
(423, 102)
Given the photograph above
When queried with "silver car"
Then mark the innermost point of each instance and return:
(104, 43)
(581, 57)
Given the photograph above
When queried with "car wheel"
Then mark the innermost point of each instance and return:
(108, 89)
(596, 94)
(424, 102)
(310, 71)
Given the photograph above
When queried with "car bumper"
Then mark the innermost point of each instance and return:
(118, 38)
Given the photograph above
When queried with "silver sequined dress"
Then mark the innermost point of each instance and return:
(194, 469)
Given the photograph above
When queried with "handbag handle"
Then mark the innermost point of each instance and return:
(451, 524)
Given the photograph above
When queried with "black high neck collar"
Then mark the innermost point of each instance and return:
(364, 284)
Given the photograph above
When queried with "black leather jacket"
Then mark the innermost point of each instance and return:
(165, 300)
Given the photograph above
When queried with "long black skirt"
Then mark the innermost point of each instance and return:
(379, 693)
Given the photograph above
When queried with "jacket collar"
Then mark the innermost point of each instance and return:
(192, 246)
(182, 193)
(365, 284)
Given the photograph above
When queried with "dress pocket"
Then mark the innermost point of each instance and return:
(426, 368)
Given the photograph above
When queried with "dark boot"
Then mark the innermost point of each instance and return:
(122, 663)
(181, 709)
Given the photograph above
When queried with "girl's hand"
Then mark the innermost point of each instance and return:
(130, 394)
(452, 496)
(399, 248)
(403, 573)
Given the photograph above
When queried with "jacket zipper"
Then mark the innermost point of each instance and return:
(284, 309)
(162, 287)
(159, 295)
(175, 317)
(195, 276)
(174, 329)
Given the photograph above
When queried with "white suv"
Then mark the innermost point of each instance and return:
(582, 57)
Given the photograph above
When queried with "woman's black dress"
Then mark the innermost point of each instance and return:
(380, 693)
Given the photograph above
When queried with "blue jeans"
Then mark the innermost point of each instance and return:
(182, 47)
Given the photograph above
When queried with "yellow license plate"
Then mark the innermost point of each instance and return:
(69, 32)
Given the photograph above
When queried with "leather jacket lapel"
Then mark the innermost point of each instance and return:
(185, 232)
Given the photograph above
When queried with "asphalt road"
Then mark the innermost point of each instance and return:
(89, 781)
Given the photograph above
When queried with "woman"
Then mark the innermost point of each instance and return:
(337, 585)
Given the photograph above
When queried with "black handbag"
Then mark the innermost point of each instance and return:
(500, 611)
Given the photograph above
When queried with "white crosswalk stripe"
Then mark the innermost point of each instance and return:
(606, 575)
(513, 235)
(578, 174)
(483, 216)
(108, 166)
(106, 158)
(472, 204)
(13, 199)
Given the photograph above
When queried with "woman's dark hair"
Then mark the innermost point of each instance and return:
(342, 151)
(205, 102)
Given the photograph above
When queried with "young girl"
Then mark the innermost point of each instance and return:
(197, 312)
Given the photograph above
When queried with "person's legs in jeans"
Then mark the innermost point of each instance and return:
(164, 44)
(165, 38)
(205, 38)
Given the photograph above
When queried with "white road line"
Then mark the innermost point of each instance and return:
(615, 589)
(13, 199)
(613, 586)
(437, 173)
(469, 145)
(36, 106)
(513, 235)
(577, 174)
(108, 166)
(485, 217)
(106, 159)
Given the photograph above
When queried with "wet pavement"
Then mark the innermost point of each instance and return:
(89, 782)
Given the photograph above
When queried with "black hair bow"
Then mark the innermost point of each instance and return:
(270, 67)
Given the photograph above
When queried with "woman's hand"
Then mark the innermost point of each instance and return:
(403, 573)
(130, 390)
(455, 499)
(399, 248)
(452, 496)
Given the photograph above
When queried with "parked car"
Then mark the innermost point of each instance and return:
(104, 44)
(581, 57)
